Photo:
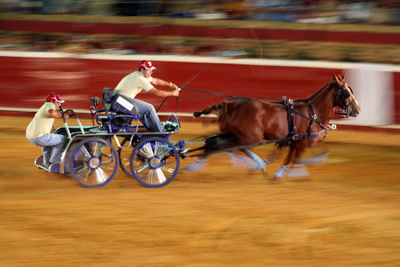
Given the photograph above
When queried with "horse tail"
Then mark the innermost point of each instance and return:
(208, 110)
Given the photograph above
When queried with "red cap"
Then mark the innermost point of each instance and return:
(54, 97)
(146, 64)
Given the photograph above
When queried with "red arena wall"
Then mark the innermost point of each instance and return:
(26, 78)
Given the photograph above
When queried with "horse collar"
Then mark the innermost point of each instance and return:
(313, 118)
(291, 112)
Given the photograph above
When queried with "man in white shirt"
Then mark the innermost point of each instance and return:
(38, 131)
(134, 83)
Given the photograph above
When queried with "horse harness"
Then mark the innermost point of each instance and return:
(344, 94)
(292, 135)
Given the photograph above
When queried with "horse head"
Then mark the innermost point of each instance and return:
(344, 96)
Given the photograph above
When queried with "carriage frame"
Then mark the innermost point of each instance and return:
(91, 157)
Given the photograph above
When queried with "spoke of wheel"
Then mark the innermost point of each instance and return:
(144, 167)
(89, 172)
(101, 176)
(160, 175)
(146, 150)
(81, 169)
(149, 176)
(85, 152)
(156, 147)
(97, 149)
(84, 170)
(160, 150)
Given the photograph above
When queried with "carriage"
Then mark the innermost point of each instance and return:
(94, 153)
(154, 161)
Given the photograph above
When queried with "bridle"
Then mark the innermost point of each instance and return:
(343, 94)
(343, 112)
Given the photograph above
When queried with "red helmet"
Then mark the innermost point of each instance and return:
(146, 64)
(54, 97)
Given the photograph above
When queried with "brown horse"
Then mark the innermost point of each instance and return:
(301, 123)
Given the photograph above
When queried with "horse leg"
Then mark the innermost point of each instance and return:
(321, 153)
(240, 161)
(260, 164)
(198, 165)
(298, 169)
(284, 167)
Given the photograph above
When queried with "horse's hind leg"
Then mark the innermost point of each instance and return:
(260, 164)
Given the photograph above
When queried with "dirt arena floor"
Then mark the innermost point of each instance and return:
(346, 214)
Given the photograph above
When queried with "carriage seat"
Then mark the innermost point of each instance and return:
(119, 111)
(107, 95)
(74, 130)
(121, 104)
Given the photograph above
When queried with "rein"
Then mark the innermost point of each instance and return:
(212, 93)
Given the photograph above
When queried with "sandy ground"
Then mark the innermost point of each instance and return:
(346, 214)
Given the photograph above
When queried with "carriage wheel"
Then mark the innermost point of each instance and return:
(93, 163)
(154, 162)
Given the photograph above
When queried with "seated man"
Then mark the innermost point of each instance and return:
(139, 80)
(38, 131)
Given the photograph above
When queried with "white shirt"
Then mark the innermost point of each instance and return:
(132, 84)
(42, 122)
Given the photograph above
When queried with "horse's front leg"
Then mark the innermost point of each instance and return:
(280, 173)
(298, 169)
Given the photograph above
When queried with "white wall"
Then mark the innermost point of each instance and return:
(373, 89)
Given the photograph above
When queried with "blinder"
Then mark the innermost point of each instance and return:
(343, 95)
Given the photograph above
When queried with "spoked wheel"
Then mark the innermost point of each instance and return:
(154, 162)
(93, 162)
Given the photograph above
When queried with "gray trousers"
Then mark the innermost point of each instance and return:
(146, 114)
(47, 142)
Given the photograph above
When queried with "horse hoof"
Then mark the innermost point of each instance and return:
(259, 167)
(280, 172)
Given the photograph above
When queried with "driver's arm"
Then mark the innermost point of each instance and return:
(57, 114)
(159, 82)
(162, 93)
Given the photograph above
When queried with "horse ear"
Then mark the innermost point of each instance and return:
(336, 78)
(339, 78)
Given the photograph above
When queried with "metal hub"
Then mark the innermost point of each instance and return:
(94, 163)
(154, 162)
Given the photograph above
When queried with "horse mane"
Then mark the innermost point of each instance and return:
(302, 101)
(320, 91)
